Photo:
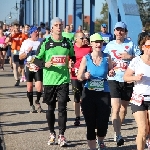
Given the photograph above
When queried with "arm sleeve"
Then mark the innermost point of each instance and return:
(132, 64)
(23, 47)
(39, 58)
(135, 50)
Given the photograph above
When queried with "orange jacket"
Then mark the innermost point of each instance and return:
(17, 40)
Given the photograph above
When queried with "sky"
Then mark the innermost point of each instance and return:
(7, 6)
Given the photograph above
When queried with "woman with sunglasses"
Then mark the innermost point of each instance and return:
(93, 71)
(80, 49)
(138, 72)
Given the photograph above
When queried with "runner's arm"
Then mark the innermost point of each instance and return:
(109, 63)
(81, 70)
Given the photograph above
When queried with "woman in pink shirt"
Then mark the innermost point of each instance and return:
(3, 48)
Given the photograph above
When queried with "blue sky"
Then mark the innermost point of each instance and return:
(7, 5)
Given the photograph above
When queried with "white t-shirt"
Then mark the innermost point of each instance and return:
(29, 43)
(138, 66)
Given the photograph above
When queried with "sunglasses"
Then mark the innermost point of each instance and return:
(147, 46)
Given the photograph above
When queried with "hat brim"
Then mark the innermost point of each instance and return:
(97, 41)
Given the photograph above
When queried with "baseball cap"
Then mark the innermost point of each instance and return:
(120, 25)
(33, 29)
(96, 37)
(56, 19)
(104, 25)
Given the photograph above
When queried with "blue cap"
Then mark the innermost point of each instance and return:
(33, 29)
(104, 25)
(120, 25)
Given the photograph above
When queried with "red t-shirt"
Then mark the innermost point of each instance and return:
(79, 53)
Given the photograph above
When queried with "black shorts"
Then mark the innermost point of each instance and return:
(37, 76)
(121, 90)
(15, 59)
(77, 88)
(145, 106)
(3, 49)
(53, 92)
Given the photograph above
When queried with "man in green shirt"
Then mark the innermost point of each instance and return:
(53, 56)
(68, 34)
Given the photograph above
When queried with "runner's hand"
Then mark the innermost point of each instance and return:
(111, 73)
(87, 75)
(138, 77)
(29, 49)
(71, 63)
(48, 64)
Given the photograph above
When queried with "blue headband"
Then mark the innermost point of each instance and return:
(32, 29)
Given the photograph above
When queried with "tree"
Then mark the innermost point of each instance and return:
(103, 19)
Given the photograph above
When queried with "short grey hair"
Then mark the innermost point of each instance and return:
(56, 19)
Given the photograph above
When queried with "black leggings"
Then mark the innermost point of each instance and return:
(96, 107)
(50, 94)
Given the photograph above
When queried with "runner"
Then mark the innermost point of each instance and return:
(140, 101)
(54, 51)
(3, 48)
(96, 97)
(80, 50)
(121, 51)
(27, 52)
(68, 34)
(16, 38)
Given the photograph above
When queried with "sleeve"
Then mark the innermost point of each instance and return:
(135, 50)
(39, 58)
(23, 47)
(111, 38)
(71, 53)
(133, 63)
(106, 50)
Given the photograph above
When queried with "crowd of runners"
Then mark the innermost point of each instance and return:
(106, 74)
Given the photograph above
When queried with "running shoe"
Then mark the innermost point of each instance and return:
(77, 121)
(148, 144)
(32, 109)
(22, 79)
(101, 145)
(62, 141)
(39, 108)
(17, 83)
(119, 140)
(52, 138)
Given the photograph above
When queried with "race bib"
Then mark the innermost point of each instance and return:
(120, 65)
(1, 45)
(16, 52)
(96, 85)
(59, 60)
(106, 39)
(33, 67)
(137, 99)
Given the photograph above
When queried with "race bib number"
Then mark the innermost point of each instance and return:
(120, 65)
(106, 39)
(16, 52)
(96, 85)
(59, 60)
(137, 99)
(33, 67)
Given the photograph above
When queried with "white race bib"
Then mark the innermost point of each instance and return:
(96, 85)
(137, 99)
(16, 52)
(59, 60)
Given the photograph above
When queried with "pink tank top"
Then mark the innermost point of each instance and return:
(2, 40)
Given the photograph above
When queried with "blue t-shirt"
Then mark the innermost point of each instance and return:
(107, 37)
(120, 65)
(98, 73)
